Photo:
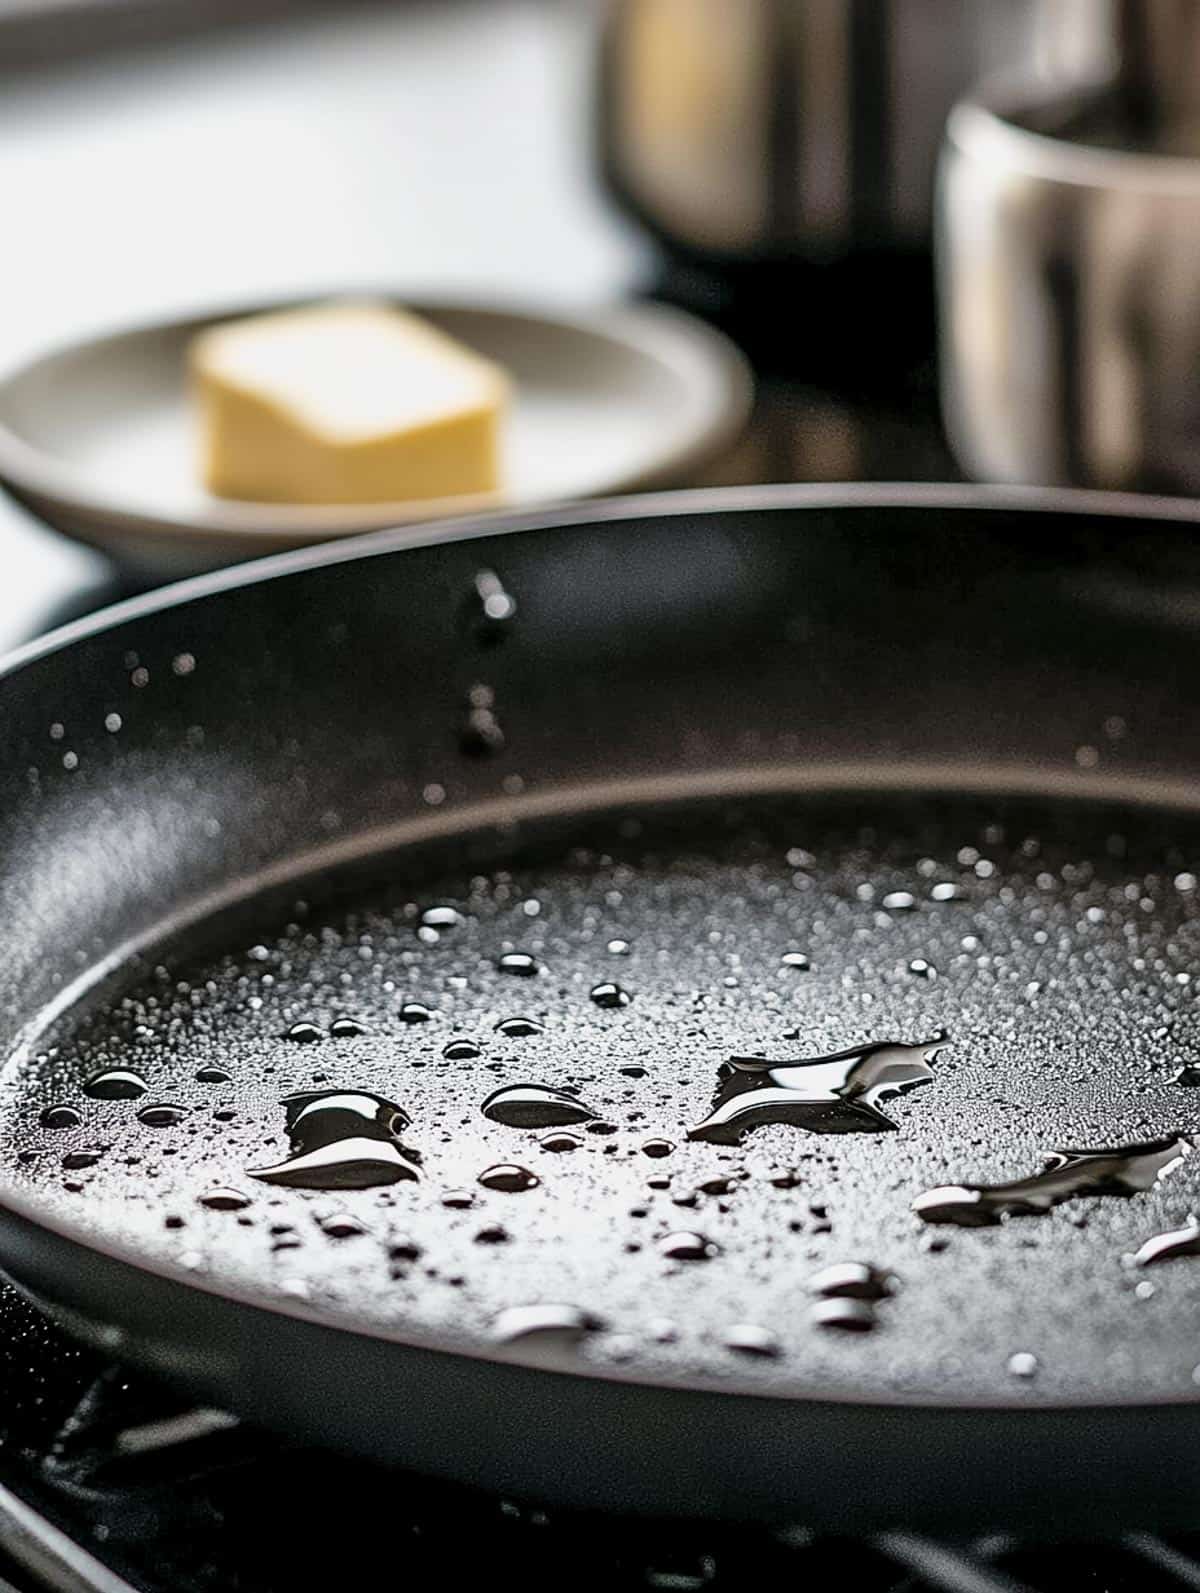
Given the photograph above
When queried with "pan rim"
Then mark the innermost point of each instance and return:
(25, 1213)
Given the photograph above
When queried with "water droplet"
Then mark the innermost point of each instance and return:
(441, 918)
(720, 1184)
(609, 995)
(922, 969)
(115, 1084)
(414, 1012)
(183, 664)
(534, 1106)
(519, 1028)
(851, 1280)
(494, 1234)
(684, 1246)
(461, 1051)
(482, 733)
(837, 1094)
(491, 609)
(662, 1330)
(520, 963)
(74, 1161)
(212, 1075)
(1129, 1170)
(1183, 1241)
(947, 892)
(520, 1321)
(342, 1139)
(1023, 1364)
(657, 1147)
(113, 723)
(162, 1114)
(747, 1338)
(60, 1117)
(798, 960)
(559, 1140)
(404, 1249)
(509, 1178)
(305, 1033)
(899, 901)
(222, 1199)
(618, 947)
(1188, 1076)
(341, 1225)
(346, 1029)
(845, 1316)
(458, 1199)
(633, 1071)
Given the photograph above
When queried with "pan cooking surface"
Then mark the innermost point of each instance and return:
(708, 1094)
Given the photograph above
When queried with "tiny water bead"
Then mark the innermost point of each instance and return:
(491, 608)
(342, 1139)
(162, 1114)
(115, 1084)
(495, 1233)
(458, 1199)
(521, 964)
(899, 902)
(346, 1029)
(921, 969)
(618, 947)
(60, 1117)
(836, 1094)
(304, 1032)
(609, 995)
(947, 891)
(75, 1161)
(341, 1225)
(799, 961)
(687, 1246)
(519, 1028)
(441, 918)
(1128, 1170)
(1022, 1364)
(534, 1106)
(508, 1178)
(414, 1012)
(482, 734)
(461, 1051)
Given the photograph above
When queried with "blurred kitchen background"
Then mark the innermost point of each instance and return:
(768, 164)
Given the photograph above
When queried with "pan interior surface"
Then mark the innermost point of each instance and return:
(482, 1095)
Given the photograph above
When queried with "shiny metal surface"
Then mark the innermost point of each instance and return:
(744, 128)
(1069, 285)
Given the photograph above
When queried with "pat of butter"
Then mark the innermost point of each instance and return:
(345, 403)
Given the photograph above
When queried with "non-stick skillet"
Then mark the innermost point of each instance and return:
(586, 1005)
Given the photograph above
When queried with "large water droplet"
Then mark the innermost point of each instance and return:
(212, 1075)
(509, 1178)
(115, 1084)
(222, 1199)
(657, 1147)
(520, 963)
(162, 1114)
(461, 1051)
(305, 1032)
(534, 1106)
(610, 995)
(844, 1316)
(414, 1012)
(519, 1028)
(1168, 1246)
(1129, 1170)
(747, 1338)
(346, 1028)
(851, 1280)
(441, 918)
(60, 1117)
(342, 1139)
(837, 1094)
(520, 1321)
(686, 1246)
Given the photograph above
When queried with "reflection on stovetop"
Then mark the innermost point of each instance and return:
(163, 1495)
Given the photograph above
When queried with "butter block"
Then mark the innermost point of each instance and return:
(345, 403)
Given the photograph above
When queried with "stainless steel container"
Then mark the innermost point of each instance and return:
(1069, 289)
(747, 129)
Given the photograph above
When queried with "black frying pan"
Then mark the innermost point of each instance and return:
(801, 774)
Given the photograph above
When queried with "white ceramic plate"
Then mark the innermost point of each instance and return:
(98, 439)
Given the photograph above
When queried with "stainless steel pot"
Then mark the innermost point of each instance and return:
(1069, 287)
(744, 129)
